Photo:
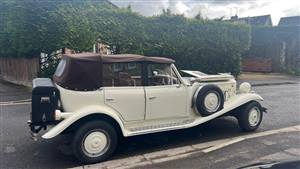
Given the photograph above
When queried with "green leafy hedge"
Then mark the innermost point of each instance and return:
(44, 26)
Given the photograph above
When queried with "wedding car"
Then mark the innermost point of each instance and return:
(101, 98)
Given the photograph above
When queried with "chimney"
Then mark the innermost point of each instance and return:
(235, 17)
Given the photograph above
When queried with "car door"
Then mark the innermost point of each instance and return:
(123, 90)
(166, 96)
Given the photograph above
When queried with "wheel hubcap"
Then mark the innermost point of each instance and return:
(212, 102)
(254, 116)
(95, 143)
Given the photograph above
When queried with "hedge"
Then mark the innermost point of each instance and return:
(46, 26)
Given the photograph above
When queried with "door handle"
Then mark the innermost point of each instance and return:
(152, 97)
(109, 99)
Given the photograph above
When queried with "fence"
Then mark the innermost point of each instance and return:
(19, 70)
(257, 65)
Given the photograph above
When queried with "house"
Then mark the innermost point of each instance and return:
(289, 21)
(107, 2)
(264, 20)
(98, 47)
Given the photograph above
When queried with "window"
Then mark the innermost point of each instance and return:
(60, 68)
(159, 74)
(122, 74)
(131, 66)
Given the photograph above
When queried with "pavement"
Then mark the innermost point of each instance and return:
(175, 149)
(12, 92)
(269, 150)
(265, 79)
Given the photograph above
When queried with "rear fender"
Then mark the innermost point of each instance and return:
(76, 116)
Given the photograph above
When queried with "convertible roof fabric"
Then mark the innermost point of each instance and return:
(119, 58)
(84, 71)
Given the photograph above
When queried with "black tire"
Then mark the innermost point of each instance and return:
(84, 131)
(243, 116)
(199, 99)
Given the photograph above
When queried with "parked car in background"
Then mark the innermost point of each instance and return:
(100, 98)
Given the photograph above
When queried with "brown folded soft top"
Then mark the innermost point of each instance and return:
(83, 71)
(118, 58)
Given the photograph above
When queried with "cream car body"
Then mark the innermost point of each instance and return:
(142, 110)
(99, 97)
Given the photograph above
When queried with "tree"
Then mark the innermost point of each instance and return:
(46, 26)
(219, 19)
(167, 12)
(129, 8)
(199, 16)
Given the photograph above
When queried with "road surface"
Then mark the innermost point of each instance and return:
(18, 150)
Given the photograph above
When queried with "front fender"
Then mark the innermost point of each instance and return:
(60, 127)
(242, 99)
(232, 103)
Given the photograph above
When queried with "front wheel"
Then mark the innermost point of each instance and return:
(94, 142)
(250, 116)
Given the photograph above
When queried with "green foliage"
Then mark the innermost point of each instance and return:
(25, 28)
(46, 26)
(48, 65)
(198, 44)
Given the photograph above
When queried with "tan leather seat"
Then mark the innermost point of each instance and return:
(124, 79)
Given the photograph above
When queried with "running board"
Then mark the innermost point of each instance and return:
(159, 128)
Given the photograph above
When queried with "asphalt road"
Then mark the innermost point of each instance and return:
(18, 150)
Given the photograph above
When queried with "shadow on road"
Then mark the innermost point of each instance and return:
(217, 129)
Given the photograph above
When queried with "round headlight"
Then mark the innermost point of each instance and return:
(245, 87)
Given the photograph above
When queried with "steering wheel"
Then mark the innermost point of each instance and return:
(162, 80)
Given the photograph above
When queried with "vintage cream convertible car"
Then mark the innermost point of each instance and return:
(102, 98)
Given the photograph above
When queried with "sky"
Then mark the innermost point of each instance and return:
(216, 8)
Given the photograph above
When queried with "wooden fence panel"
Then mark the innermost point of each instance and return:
(19, 70)
(256, 65)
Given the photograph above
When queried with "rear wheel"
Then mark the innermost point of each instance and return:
(94, 142)
(250, 116)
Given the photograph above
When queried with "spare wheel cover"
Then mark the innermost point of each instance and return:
(208, 99)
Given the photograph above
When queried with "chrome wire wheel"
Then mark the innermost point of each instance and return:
(95, 143)
(212, 101)
(254, 116)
